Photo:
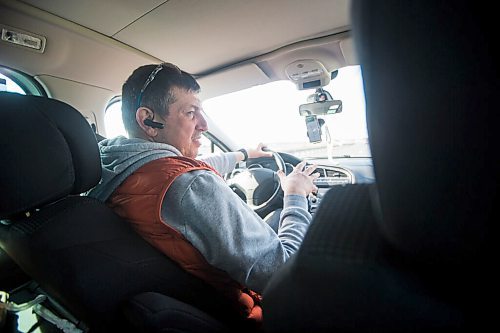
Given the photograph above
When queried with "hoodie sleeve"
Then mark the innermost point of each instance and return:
(229, 234)
(222, 162)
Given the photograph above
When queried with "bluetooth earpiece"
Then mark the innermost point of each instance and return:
(153, 124)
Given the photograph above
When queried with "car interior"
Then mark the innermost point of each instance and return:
(401, 237)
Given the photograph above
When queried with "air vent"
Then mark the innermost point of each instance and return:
(321, 172)
(330, 177)
(336, 174)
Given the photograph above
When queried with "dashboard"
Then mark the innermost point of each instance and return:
(335, 172)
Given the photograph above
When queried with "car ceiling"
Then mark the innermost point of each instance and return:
(205, 35)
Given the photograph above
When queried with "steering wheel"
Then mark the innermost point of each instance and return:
(260, 188)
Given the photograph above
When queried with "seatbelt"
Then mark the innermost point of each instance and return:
(8, 306)
(63, 324)
(3, 308)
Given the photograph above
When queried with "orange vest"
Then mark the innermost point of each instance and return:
(139, 199)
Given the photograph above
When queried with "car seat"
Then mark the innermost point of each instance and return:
(78, 251)
(412, 252)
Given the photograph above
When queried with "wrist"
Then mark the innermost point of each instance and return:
(293, 200)
(298, 192)
(245, 154)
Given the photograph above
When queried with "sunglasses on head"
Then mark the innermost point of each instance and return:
(151, 77)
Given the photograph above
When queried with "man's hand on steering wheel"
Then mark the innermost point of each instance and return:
(260, 151)
(258, 187)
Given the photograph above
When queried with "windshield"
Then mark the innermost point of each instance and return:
(269, 113)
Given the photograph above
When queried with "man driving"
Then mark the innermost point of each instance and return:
(180, 203)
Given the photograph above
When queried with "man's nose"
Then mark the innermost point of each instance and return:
(202, 124)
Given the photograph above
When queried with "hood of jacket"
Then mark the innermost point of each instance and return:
(120, 157)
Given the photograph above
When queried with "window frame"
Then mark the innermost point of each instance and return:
(26, 82)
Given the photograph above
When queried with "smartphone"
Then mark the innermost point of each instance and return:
(313, 128)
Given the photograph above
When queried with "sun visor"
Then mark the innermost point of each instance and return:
(230, 80)
(349, 52)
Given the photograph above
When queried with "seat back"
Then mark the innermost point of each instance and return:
(80, 252)
(411, 252)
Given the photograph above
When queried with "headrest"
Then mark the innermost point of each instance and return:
(431, 89)
(48, 152)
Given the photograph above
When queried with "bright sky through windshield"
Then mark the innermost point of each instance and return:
(270, 113)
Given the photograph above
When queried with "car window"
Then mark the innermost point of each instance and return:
(208, 146)
(269, 113)
(18, 82)
(113, 123)
(6, 84)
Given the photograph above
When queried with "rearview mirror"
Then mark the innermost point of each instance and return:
(320, 108)
(320, 103)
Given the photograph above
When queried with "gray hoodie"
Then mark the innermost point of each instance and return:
(200, 205)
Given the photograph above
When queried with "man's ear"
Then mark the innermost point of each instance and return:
(141, 115)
